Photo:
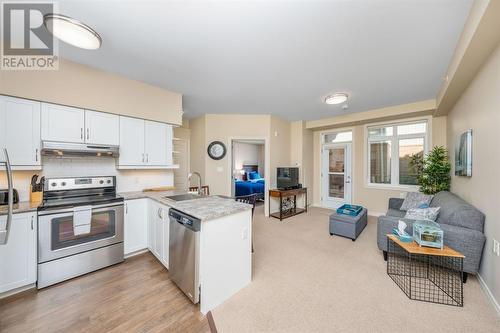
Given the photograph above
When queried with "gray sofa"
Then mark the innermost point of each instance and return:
(461, 222)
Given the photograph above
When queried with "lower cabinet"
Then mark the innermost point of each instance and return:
(135, 225)
(158, 231)
(18, 258)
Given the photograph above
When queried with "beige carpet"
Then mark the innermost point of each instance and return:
(305, 280)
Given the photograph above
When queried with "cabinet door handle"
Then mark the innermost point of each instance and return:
(32, 222)
(81, 133)
(126, 209)
(36, 155)
(88, 133)
(147, 158)
(159, 213)
(142, 157)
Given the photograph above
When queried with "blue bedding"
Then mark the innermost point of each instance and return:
(249, 187)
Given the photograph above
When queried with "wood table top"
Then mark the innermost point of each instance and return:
(414, 248)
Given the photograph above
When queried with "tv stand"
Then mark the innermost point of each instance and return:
(287, 207)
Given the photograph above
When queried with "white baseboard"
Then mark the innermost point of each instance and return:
(17, 290)
(132, 254)
(488, 293)
(376, 214)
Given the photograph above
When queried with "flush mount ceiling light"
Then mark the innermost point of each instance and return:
(72, 31)
(337, 98)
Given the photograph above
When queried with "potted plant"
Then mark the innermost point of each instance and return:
(433, 170)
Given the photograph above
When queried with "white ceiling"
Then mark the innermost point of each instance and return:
(277, 57)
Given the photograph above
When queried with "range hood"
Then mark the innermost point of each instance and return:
(64, 149)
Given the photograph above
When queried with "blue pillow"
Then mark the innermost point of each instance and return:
(423, 206)
(254, 175)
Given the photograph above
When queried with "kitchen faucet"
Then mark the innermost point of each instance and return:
(200, 191)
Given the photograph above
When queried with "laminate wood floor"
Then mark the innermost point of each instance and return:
(135, 296)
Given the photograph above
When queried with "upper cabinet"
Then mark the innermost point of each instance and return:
(62, 123)
(68, 124)
(102, 128)
(145, 144)
(20, 132)
(131, 142)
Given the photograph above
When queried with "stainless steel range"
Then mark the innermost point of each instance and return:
(80, 228)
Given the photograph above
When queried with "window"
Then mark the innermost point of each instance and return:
(391, 149)
(337, 137)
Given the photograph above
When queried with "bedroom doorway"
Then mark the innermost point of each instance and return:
(248, 168)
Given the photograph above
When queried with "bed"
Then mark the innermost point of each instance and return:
(252, 183)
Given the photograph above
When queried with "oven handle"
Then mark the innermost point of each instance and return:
(96, 208)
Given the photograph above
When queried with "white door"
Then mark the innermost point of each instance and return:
(62, 123)
(159, 241)
(20, 131)
(336, 175)
(155, 143)
(165, 234)
(102, 128)
(136, 226)
(18, 257)
(131, 141)
(170, 145)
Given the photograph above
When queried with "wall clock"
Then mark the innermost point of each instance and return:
(216, 150)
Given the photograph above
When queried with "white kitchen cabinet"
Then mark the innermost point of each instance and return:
(145, 144)
(20, 132)
(18, 259)
(155, 143)
(136, 225)
(102, 128)
(131, 142)
(62, 123)
(159, 225)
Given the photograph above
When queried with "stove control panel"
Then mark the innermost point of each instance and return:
(58, 184)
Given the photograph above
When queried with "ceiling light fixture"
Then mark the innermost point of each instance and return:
(337, 98)
(72, 31)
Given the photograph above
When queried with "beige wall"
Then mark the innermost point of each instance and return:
(197, 147)
(301, 153)
(479, 109)
(85, 87)
(279, 146)
(375, 199)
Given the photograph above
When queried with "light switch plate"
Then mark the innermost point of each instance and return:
(496, 247)
(244, 233)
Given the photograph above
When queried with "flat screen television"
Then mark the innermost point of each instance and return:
(287, 177)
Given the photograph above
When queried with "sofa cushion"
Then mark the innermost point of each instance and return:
(415, 199)
(395, 213)
(456, 211)
(429, 214)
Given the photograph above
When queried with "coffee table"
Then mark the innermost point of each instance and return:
(424, 273)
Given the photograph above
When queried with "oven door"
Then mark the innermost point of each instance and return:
(56, 238)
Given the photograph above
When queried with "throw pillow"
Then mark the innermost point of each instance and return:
(254, 175)
(429, 214)
(415, 199)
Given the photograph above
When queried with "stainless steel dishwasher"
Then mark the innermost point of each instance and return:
(184, 248)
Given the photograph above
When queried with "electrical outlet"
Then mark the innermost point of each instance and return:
(496, 247)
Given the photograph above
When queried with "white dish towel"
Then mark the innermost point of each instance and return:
(82, 217)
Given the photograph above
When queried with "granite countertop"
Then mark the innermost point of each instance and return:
(21, 207)
(206, 208)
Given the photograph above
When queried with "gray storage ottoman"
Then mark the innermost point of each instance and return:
(348, 226)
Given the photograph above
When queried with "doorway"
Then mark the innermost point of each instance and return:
(248, 165)
(336, 173)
